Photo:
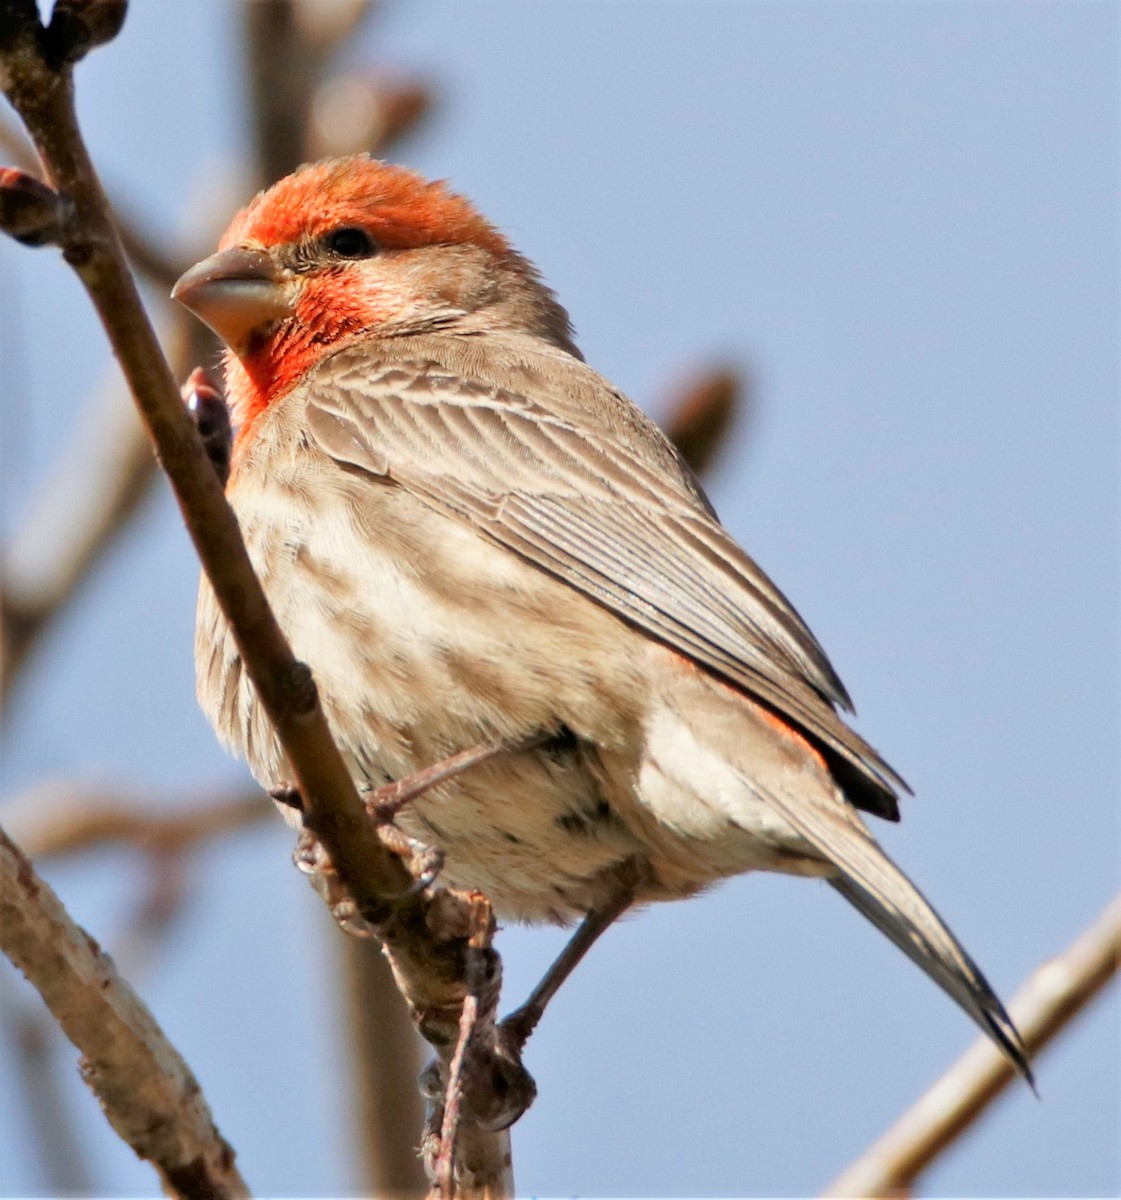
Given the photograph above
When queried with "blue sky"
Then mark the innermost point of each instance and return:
(901, 219)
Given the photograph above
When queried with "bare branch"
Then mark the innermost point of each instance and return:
(44, 99)
(147, 1091)
(312, 116)
(63, 818)
(277, 50)
(1052, 997)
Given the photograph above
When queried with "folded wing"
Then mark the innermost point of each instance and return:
(585, 503)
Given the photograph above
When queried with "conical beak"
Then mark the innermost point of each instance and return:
(237, 292)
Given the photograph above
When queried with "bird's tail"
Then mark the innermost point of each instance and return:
(872, 883)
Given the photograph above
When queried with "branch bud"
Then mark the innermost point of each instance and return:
(79, 25)
(702, 414)
(29, 210)
(18, 19)
(212, 419)
(325, 25)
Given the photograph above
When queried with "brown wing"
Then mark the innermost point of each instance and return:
(585, 505)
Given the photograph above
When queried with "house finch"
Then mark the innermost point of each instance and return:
(472, 537)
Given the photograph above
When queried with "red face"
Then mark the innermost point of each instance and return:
(333, 252)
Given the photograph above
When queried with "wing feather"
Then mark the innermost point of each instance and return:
(584, 503)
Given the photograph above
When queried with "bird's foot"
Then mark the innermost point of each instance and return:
(288, 795)
(311, 857)
(425, 862)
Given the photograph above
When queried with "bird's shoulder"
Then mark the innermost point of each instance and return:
(513, 378)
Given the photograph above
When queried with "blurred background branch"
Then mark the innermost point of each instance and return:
(97, 487)
(60, 817)
(1052, 997)
(56, 1144)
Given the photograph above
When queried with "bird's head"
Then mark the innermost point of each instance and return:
(354, 249)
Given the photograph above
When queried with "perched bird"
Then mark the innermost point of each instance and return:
(473, 538)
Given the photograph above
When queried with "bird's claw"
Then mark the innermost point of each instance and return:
(311, 857)
(425, 861)
(288, 795)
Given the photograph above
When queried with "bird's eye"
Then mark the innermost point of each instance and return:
(350, 242)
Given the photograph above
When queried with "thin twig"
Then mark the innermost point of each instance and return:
(146, 1089)
(445, 1188)
(464, 1153)
(145, 254)
(1051, 998)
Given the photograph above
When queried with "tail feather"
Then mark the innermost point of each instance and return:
(954, 971)
(874, 885)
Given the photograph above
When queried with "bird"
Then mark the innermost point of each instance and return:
(475, 540)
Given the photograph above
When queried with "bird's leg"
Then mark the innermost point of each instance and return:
(626, 878)
(385, 802)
